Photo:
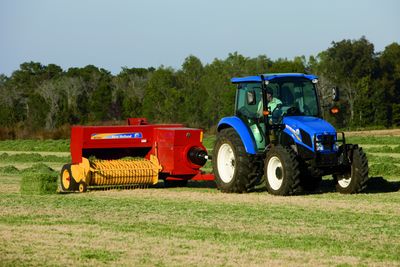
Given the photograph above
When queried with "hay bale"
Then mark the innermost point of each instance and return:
(39, 180)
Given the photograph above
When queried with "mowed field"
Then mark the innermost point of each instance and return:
(197, 225)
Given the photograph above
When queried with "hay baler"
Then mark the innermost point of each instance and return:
(134, 155)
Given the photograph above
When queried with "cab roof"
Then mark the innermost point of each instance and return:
(271, 76)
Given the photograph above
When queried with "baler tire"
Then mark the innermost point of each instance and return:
(72, 186)
(238, 178)
(282, 172)
(356, 179)
(82, 187)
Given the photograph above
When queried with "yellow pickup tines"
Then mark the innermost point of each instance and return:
(124, 172)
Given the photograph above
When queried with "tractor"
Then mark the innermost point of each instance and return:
(277, 137)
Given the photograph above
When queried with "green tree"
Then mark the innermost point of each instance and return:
(191, 92)
(344, 64)
(161, 100)
(37, 112)
(287, 66)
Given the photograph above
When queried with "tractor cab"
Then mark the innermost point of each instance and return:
(285, 94)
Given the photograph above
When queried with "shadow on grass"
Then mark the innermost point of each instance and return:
(374, 185)
(380, 185)
(201, 184)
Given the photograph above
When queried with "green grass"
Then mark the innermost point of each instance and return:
(374, 140)
(35, 145)
(384, 149)
(208, 141)
(193, 227)
(198, 225)
(32, 157)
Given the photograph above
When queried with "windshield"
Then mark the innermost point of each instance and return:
(290, 96)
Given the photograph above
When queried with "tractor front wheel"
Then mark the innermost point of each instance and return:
(354, 180)
(231, 163)
(281, 170)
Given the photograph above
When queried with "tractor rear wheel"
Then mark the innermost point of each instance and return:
(281, 170)
(67, 181)
(231, 163)
(355, 179)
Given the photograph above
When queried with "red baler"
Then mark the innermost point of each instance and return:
(135, 154)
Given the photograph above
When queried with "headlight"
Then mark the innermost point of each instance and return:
(335, 147)
(319, 147)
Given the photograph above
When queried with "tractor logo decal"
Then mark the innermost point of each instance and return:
(296, 132)
(98, 136)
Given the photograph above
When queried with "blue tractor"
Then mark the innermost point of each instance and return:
(278, 136)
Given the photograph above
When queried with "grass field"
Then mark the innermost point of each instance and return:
(198, 225)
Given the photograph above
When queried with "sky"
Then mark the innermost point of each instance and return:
(149, 33)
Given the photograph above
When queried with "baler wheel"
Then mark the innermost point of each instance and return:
(67, 180)
(82, 187)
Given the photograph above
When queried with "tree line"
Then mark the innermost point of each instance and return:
(44, 100)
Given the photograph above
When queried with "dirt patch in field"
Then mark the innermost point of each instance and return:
(388, 132)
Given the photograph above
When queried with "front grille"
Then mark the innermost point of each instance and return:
(327, 141)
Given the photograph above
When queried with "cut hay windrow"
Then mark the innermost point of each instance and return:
(9, 170)
(31, 157)
(35, 145)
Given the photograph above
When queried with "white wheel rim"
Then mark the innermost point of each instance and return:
(274, 180)
(345, 182)
(226, 163)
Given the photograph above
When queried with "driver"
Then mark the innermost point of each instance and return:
(273, 102)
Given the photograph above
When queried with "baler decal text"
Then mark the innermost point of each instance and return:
(97, 136)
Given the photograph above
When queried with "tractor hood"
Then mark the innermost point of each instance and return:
(299, 126)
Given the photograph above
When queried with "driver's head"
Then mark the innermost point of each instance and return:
(269, 94)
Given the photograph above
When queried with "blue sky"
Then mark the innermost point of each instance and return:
(116, 33)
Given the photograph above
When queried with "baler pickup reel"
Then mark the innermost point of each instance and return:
(133, 156)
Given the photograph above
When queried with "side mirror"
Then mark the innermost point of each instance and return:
(251, 98)
(335, 93)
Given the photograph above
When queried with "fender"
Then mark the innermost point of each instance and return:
(242, 130)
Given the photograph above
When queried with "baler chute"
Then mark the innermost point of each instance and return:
(137, 154)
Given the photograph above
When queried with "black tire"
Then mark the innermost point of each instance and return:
(355, 179)
(281, 170)
(232, 165)
(67, 181)
(82, 187)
